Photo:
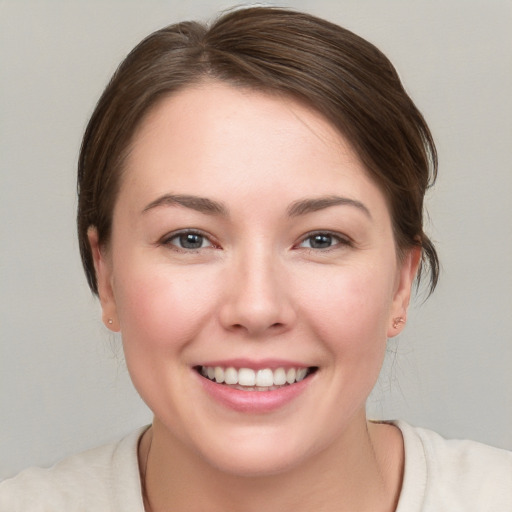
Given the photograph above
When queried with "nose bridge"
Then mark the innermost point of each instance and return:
(257, 298)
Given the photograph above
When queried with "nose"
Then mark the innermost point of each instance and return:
(257, 298)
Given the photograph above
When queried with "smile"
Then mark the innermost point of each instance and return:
(247, 379)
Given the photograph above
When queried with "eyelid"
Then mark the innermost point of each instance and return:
(342, 239)
(166, 239)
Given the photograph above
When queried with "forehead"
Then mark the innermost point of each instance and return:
(212, 108)
(217, 138)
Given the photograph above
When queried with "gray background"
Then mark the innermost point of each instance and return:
(63, 384)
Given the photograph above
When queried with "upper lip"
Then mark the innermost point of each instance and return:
(259, 364)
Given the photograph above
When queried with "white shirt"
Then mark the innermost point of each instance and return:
(439, 476)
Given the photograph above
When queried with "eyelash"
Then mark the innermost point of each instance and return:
(339, 241)
(168, 240)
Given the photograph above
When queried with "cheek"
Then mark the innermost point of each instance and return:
(161, 309)
(161, 313)
(350, 310)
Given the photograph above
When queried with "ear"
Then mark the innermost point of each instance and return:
(103, 268)
(407, 273)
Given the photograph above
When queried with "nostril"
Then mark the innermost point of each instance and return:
(254, 315)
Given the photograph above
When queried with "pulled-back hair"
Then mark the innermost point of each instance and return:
(330, 69)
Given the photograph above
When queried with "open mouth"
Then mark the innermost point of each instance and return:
(247, 379)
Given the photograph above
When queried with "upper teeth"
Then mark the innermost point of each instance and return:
(249, 377)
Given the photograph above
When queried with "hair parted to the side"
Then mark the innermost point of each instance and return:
(279, 51)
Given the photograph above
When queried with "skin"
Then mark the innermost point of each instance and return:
(257, 288)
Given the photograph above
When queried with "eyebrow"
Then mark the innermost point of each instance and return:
(211, 207)
(200, 204)
(305, 206)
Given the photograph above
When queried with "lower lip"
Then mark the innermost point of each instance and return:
(256, 402)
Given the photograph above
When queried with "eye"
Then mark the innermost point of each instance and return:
(188, 240)
(322, 240)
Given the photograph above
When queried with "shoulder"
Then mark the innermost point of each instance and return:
(455, 474)
(93, 480)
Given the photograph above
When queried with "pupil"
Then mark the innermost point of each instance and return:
(191, 241)
(321, 241)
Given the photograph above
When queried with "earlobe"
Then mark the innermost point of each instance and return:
(103, 269)
(408, 269)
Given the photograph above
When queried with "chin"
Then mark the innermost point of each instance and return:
(257, 451)
(256, 464)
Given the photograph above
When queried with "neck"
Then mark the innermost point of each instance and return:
(362, 470)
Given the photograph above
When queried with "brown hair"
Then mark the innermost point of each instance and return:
(334, 71)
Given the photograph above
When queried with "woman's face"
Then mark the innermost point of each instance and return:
(249, 243)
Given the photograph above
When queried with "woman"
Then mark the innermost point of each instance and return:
(250, 216)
